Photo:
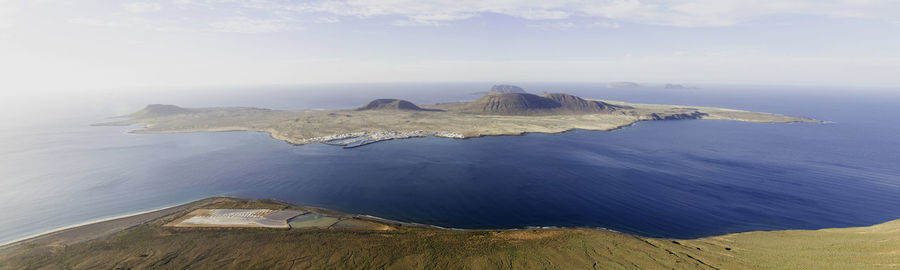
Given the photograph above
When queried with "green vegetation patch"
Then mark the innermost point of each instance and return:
(311, 220)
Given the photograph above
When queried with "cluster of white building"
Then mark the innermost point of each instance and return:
(362, 138)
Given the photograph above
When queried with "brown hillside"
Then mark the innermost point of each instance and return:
(521, 104)
(390, 104)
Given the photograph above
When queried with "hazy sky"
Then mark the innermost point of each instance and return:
(134, 44)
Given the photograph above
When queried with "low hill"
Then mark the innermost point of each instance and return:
(677, 86)
(506, 89)
(159, 110)
(510, 104)
(622, 85)
(522, 104)
(576, 104)
(390, 104)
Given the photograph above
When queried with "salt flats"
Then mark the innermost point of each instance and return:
(247, 218)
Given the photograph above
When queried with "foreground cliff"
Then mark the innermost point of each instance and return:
(505, 113)
(144, 242)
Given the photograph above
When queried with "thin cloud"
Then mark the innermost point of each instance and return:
(241, 24)
(92, 22)
(141, 7)
(8, 9)
(605, 24)
(262, 16)
(553, 25)
(684, 13)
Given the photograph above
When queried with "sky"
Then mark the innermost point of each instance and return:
(74, 45)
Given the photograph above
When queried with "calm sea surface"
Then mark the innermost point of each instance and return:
(678, 179)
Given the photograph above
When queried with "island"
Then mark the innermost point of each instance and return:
(502, 89)
(316, 238)
(677, 86)
(508, 111)
(622, 85)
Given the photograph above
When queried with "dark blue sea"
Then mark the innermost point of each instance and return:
(680, 179)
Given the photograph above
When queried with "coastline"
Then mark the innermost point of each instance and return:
(372, 242)
(367, 217)
(176, 206)
(90, 222)
(37, 236)
(143, 129)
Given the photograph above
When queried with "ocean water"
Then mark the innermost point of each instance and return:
(680, 179)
